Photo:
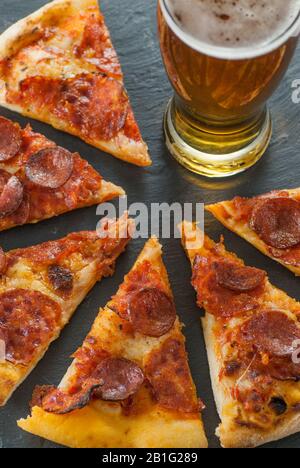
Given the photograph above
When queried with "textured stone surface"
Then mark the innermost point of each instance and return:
(133, 28)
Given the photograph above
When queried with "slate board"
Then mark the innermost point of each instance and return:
(133, 28)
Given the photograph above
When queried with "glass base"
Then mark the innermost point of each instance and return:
(218, 163)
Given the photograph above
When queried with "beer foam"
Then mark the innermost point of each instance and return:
(234, 23)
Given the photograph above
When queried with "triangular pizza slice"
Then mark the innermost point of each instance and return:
(40, 180)
(129, 385)
(252, 335)
(59, 66)
(270, 222)
(40, 289)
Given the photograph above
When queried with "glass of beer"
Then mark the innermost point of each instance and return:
(224, 59)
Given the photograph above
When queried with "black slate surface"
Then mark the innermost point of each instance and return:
(133, 28)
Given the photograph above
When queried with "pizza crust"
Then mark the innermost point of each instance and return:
(18, 35)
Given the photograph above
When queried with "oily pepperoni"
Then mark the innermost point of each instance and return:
(115, 379)
(238, 278)
(12, 194)
(29, 320)
(60, 278)
(152, 312)
(50, 167)
(120, 378)
(277, 222)
(271, 332)
(10, 139)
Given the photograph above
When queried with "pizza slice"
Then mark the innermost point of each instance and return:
(270, 222)
(252, 335)
(129, 385)
(39, 180)
(59, 66)
(40, 289)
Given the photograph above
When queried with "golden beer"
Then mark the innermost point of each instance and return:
(218, 124)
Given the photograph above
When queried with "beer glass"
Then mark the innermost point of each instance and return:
(218, 124)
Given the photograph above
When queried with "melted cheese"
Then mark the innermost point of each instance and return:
(94, 427)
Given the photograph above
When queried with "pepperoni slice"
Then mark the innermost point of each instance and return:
(54, 400)
(60, 278)
(238, 278)
(29, 319)
(115, 379)
(10, 139)
(50, 167)
(39, 393)
(3, 262)
(152, 312)
(271, 332)
(22, 214)
(11, 196)
(120, 378)
(277, 222)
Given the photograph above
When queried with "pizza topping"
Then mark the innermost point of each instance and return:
(95, 105)
(39, 393)
(168, 373)
(288, 256)
(238, 278)
(96, 47)
(114, 379)
(242, 208)
(231, 368)
(29, 320)
(221, 301)
(54, 400)
(143, 277)
(3, 262)
(120, 378)
(277, 222)
(11, 195)
(20, 216)
(60, 278)
(10, 139)
(278, 405)
(152, 312)
(283, 368)
(50, 167)
(267, 343)
(271, 332)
